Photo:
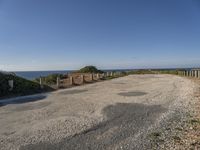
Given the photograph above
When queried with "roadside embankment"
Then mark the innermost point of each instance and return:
(12, 85)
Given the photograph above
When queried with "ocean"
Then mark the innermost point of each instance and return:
(30, 75)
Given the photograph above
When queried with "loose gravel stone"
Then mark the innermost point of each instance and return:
(96, 116)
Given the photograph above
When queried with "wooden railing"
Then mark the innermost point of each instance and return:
(195, 73)
(80, 79)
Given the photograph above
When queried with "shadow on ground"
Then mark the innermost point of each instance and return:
(22, 100)
(123, 120)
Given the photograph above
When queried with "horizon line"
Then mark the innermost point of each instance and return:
(150, 68)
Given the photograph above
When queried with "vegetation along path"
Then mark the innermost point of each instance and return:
(131, 112)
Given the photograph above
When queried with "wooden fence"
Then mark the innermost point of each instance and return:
(79, 79)
(195, 73)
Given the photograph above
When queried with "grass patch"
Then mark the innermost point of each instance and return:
(50, 79)
(21, 86)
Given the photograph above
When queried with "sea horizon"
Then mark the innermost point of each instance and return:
(31, 75)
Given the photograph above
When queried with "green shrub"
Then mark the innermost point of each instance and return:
(50, 79)
(4, 88)
(90, 69)
(154, 71)
(175, 72)
(123, 73)
(21, 86)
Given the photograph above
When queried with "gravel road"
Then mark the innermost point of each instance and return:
(114, 114)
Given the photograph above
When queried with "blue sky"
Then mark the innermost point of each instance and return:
(111, 34)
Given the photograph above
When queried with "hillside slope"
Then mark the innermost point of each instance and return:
(21, 86)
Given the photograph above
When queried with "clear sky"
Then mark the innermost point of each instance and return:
(111, 34)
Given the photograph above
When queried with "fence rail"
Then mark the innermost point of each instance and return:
(79, 79)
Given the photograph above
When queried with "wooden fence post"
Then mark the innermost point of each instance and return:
(188, 73)
(11, 84)
(196, 75)
(107, 74)
(82, 79)
(184, 73)
(193, 73)
(71, 80)
(102, 75)
(111, 74)
(98, 76)
(91, 77)
(58, 82)
(41, 83)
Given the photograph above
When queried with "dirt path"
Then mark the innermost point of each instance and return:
(115, 114)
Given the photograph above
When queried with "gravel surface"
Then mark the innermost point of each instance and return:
(133, 112)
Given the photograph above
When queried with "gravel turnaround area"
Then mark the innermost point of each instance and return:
(123, 113)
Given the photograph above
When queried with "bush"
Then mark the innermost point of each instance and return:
(51, 79)
(90, 69)
(21, 86)
(4, 88)
(154, 71)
